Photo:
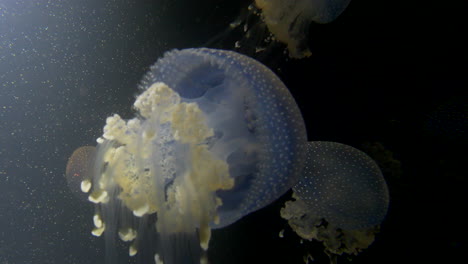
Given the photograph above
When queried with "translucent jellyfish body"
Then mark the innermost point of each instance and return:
(343, 185)
(340, 200)
(289, 20)
(79, 170)
(217, 136)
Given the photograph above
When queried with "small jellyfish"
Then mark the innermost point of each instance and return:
(289, 20)
(217, 136)
(341, 199)
(79, 169)
(348, 184)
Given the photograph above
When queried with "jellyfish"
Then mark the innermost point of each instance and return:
(216, 136)
(289, 20)
(79, 169)
(341, 199)
(268, 22)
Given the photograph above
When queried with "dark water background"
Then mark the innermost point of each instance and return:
(385, 77)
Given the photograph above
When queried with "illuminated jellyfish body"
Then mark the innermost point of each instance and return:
(217, 136)
(289, 20)
(341, 199)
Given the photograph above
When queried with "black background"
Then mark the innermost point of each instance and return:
(391, 72)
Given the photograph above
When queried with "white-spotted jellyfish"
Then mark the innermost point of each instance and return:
(217, 136)
(340, 200)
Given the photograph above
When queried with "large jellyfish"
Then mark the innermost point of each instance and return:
(216, 136)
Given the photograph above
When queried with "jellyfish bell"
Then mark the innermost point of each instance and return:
(348, 184)
(217, 136)
(79, 171)
(255, 120)
(341, 199)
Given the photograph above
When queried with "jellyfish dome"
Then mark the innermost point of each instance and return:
(343, 185)
(217, 135)
(341, 199)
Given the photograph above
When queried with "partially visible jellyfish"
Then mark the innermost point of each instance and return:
(285, 21)
(341, 199)
(289, 20)
(79, 170)
(217, 136)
